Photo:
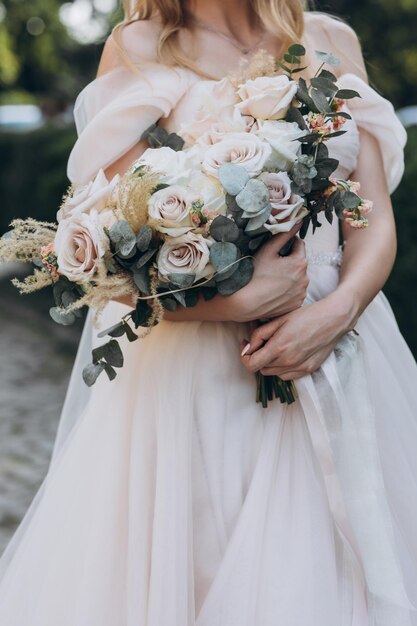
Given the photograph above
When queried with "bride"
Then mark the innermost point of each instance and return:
(172, 498)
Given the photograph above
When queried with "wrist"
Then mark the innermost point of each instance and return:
(348, 306)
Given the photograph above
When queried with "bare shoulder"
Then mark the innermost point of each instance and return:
(138, 40)
(332, 34)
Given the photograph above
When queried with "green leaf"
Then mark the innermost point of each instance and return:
(224, 229)
(142, 280)
(112, 353)
(91, 372)
(233, 178)
(175, 142)
(297, 50)
(291, 58)
(350, 200)
(65, 318)
(254, 197)
(326, 166)
(295, 115)
(169, 303)
(182, 281)
(122, 235)
(144, 238)
(209, 293)
(329, 75)
(180, 297)
(111, 373)
(145, 258)
(68, 298)
(320, 101)
(131, 336)
(347, 94)
(255, 223)
(142, 314)
(326, 86)
(327, 57)
(156, 136)
(239, 279)
(159, 187)
(284, 67)
(222, 254)
(117, 330)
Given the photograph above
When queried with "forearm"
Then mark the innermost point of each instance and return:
(369, 254)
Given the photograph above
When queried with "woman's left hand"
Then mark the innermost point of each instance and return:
(296, 344)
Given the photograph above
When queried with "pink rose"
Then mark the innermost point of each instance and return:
(95, 195)
(81, 242)
(186, 254)
(287, 207)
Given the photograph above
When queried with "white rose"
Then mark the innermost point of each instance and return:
(235, 122)
(282, 137)
(187, 254)
(218, 100)
(245, 149)
(211, 193)
(267, 97)
(95, 195)
(174, 167)
(169, 209)
(80, 242)
(287, 207)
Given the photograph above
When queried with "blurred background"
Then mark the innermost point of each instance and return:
(49, 50)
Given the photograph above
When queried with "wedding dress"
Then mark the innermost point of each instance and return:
(173, 499)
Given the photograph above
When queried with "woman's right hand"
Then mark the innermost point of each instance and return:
(279, 284)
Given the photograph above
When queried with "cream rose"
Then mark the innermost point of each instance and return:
(267, 97)
(95, 195)
(170, 209)
(218, 100)
(174, 167)
(233, 123)
(287, 207)
(282, 137)
(80, 242)
(187, 254)
(245, 149)
(211, 193)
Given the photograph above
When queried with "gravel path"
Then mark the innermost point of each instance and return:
(36, 357)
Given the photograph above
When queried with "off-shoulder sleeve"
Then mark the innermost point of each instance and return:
(371, 111)
(376, 115)
(113, 110)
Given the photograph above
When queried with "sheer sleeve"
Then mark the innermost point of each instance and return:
(113, 110)
(371, 111)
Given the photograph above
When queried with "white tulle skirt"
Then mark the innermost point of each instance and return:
(174, 500)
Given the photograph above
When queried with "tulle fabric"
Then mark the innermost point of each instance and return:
(172, 498)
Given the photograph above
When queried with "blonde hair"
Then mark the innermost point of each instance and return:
(282, 18)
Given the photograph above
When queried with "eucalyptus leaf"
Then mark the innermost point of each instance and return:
(144, 238)
(258, 222)
(233, 178)
(142, 280)
(209, 292)
(147, 256)
(191, 297)
(326, 166)
(239, 279)
(142, 314)
(68, 298)
(327, 57)
(224, 229)
(347, 94)
(296, 49)
(325, 85)
(254, 197)
(169, 303)
(110, 264)
(113, 354)
(295, 115)
(180, 297)
(111, 373)
(292, 58)
(117, 330)
(65, 318)
(122, 235)
(175, 142)
(350, 200)
(320, 100)
(131, 336)
(91, 372)
(183, 281)
(222, 254)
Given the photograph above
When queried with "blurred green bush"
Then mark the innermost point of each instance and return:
(33, 172)
(401, 288)
(33, 180)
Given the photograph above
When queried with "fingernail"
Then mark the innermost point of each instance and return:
(245, 349)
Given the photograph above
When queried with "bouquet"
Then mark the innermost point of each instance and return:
(187, 217)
